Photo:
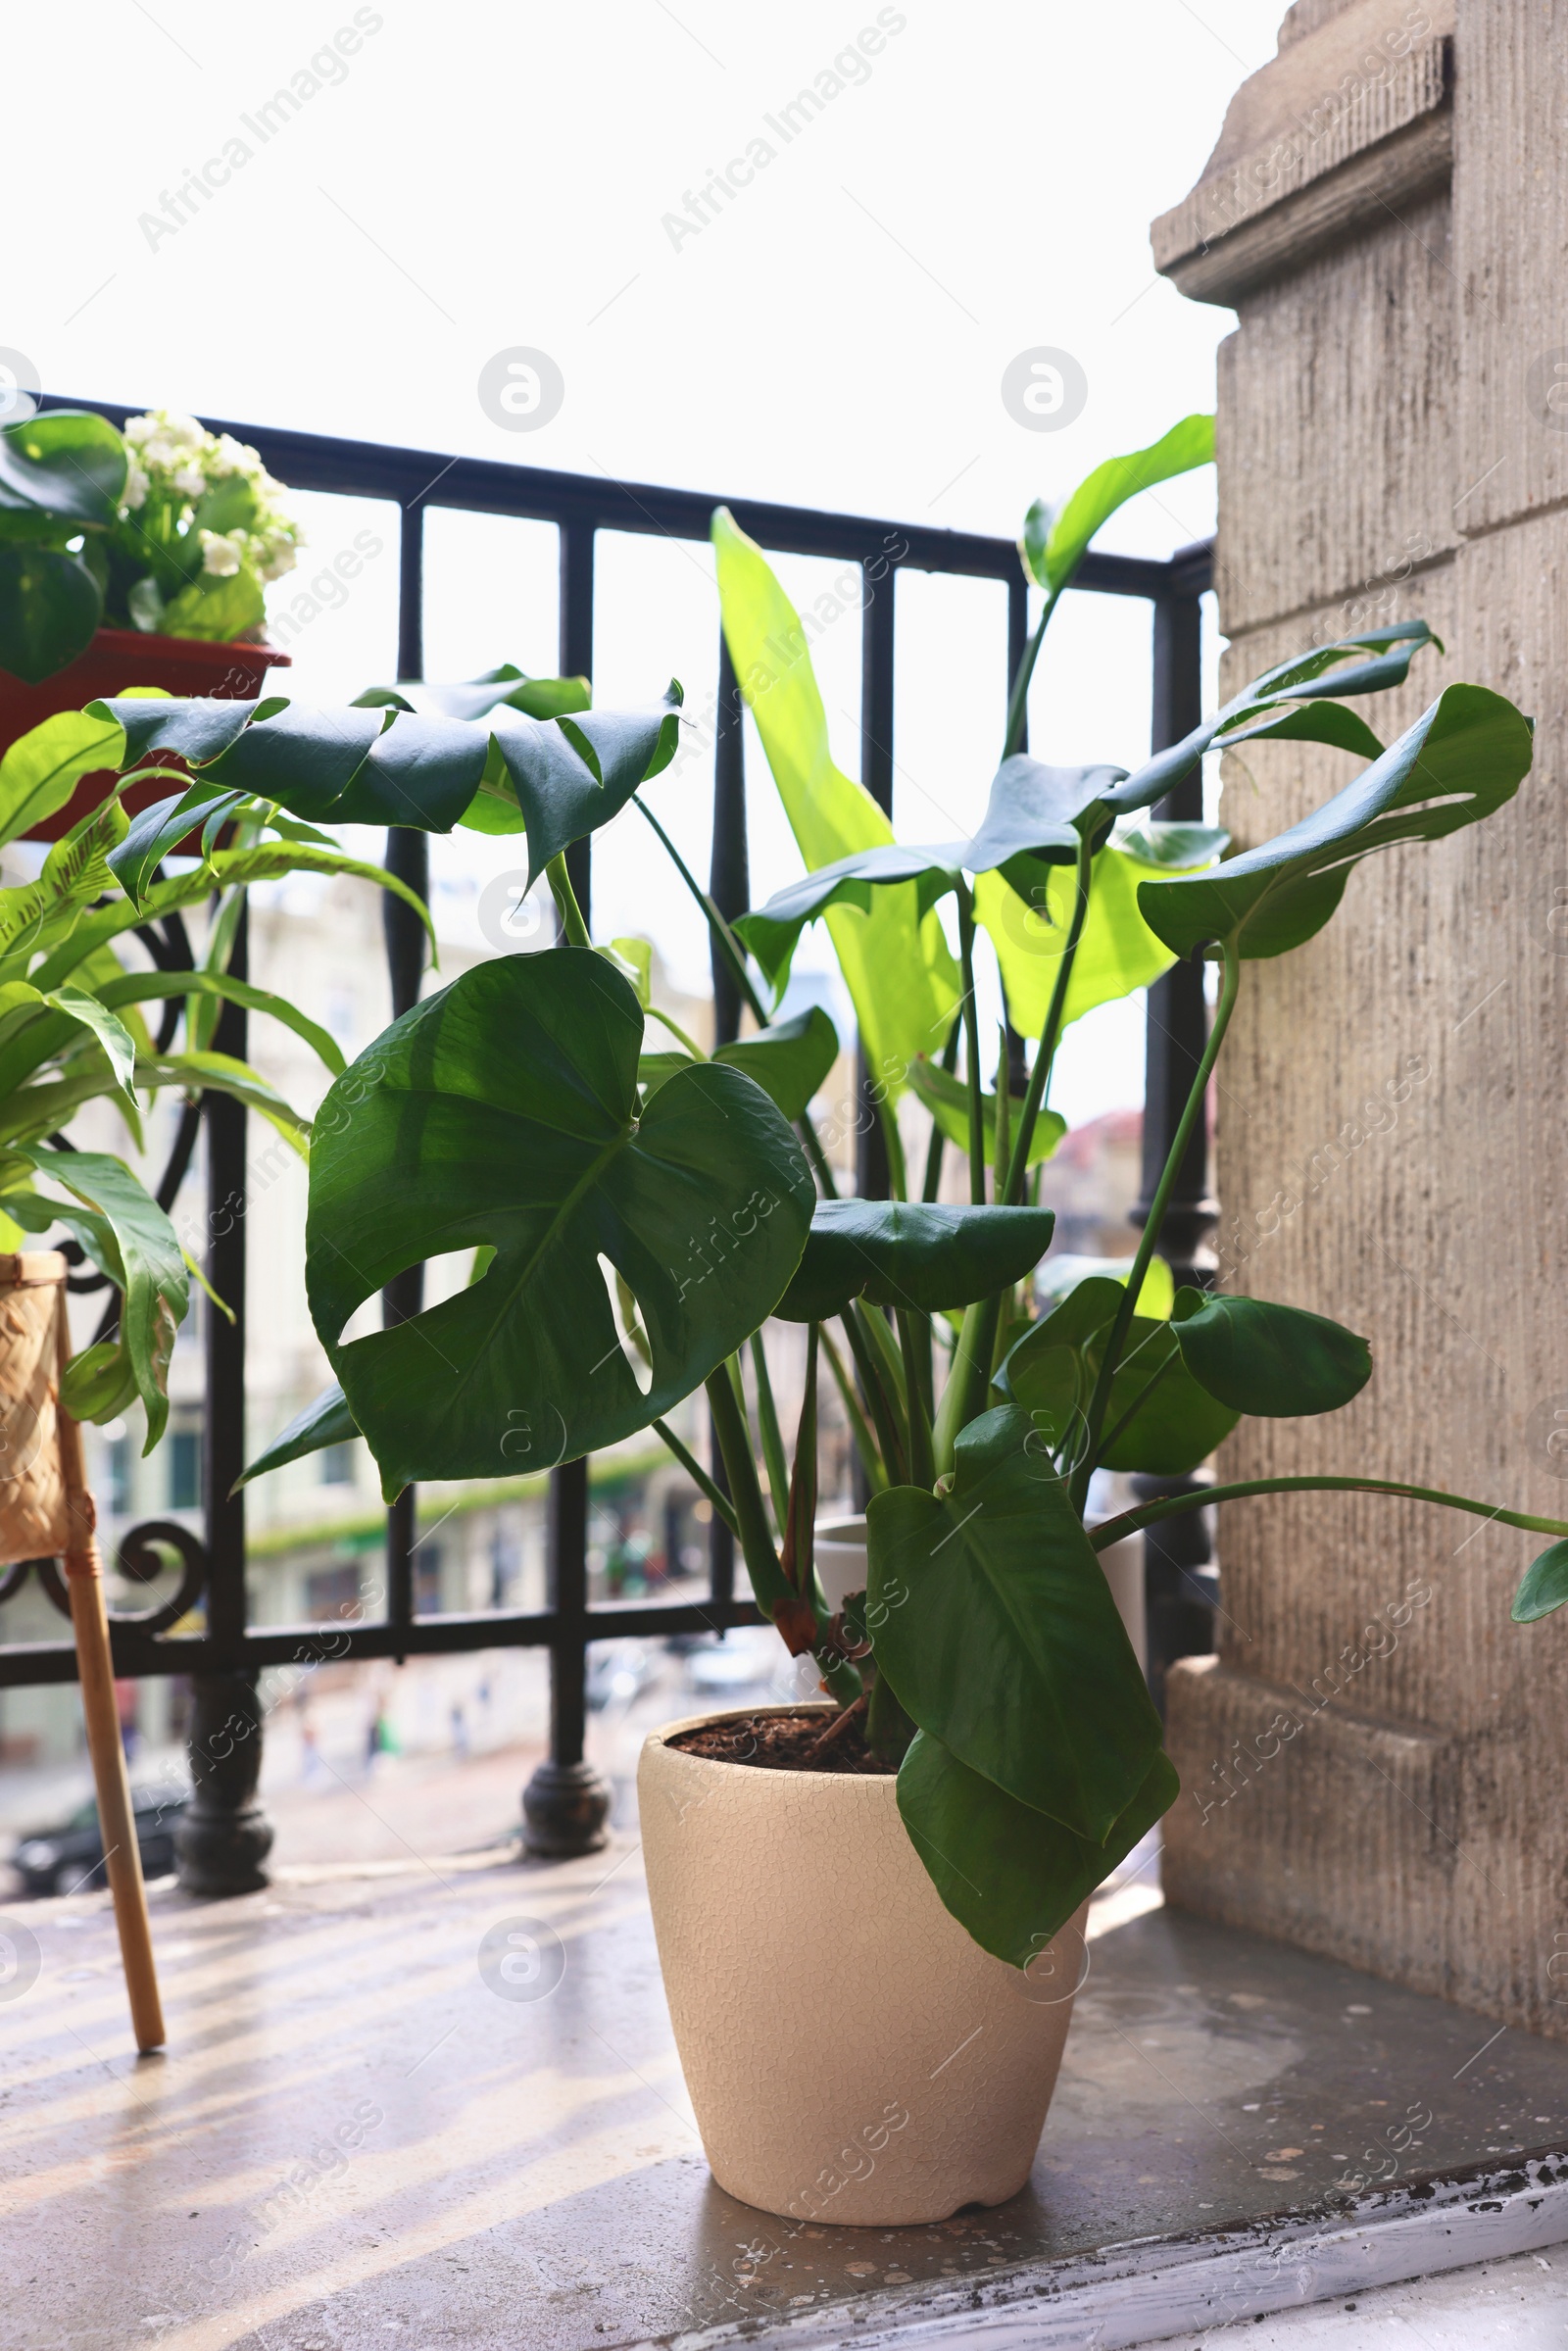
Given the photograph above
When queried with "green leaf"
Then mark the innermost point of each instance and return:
(902, 979)
(1068, 1276)
(382, 764)
(44, 767)
(119, 1046)
(1011, 1876)
(215, 609)
(637, 955)
(151, 1272)
(142, 987)
(1276, 1361)
(50, 606)
(536, 697)
(1160, 1420)
(222, 1073)
(100, 1383)
(68, 464)
(772, 932)
(327, 1421)
(1363, 664)
(789, 1060)
(1544, 1587)
(1054, 545)
(913, 1255)
(947, 1097)
(999, 1635)
(504, 1112)
(1462, 760)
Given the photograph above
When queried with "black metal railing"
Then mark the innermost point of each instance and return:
(224, 1839)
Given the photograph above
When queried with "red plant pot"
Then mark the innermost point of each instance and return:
(115, 659)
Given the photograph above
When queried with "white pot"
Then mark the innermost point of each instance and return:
(850, 2054)
(840, 1558)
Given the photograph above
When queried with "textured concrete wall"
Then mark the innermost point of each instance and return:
(1375, 1764)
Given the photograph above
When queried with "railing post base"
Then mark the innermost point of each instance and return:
(565, 1807)
(224, 1836)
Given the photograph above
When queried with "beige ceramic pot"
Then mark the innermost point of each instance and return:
(850, 2054)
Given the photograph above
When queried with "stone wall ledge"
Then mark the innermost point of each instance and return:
(1338, 169)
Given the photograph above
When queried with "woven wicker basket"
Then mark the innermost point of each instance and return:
(33, 1518)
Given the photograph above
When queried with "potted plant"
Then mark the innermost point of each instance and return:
(865, 1906)
(130, 560)
(74, 1031)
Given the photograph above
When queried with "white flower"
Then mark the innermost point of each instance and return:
(221, 554)
(158, 455)
(191, 480)
(184, 430)
(281, 559)
(139, 429)
(230, 456)
(135, 486)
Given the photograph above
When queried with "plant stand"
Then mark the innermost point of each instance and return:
(47, 1505)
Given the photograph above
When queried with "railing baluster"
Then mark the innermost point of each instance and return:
(408, 855)
(729, 884)
(223, 1838)
(567, 1802)
(871, 1179)
(1180, 1588)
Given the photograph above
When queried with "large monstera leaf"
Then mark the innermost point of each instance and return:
(1462, 759)
(999, 1635)
(503, 1114)
(565, 774)
(1011, 1875)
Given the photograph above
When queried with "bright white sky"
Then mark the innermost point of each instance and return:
(477, 177)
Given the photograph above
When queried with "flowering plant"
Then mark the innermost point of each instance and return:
(164, 528)
(201, 528)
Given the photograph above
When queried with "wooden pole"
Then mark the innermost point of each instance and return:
(117, 1822)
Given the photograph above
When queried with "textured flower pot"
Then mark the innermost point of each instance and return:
(115, 659)
(850, 2054)
(34, 1522)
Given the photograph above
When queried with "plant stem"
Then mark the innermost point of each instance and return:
(875, 1395)
(971, 1049)
(876, 1476)
(1018, 699)
(772, 1436)
(651, 1013)
(698, 1476)
(769, 1580)
(1193, 1112)
(812, 1142)
(897, 1175)
(1046, 1051)
(566, 907)
(1147, 1514)
(933, 1155)
(729, 946)
(1138, 1400)
(922, 1469)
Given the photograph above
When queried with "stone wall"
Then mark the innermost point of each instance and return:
(1374, 1765)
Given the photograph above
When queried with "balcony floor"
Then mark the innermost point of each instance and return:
(352, 2141)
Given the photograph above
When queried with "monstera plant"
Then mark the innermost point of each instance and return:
(635, 1209)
